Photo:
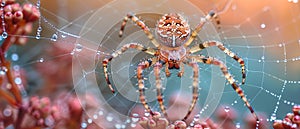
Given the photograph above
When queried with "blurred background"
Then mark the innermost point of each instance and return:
(78, 34)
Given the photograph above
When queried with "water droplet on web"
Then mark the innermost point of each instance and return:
(4, 35)
(54, 37)
(37, 36)
(109, 118)
(2, 73)
(226, 109)
(83, 125)
(277, 61)
(132, 125)
(118, 126)
(78, 47)
(262, 25)
(49, 121)
(147, 114)
(263, 57)
(4, 69)
(95, 116)
(135, 117)
(18, 81)
(63, 36)
(14, 57)
(7, 112)
(273, 117)
(72, 53)
(238, 125)
(41, 60)
(235, 101)
(100, 113)
(197, 117)
(295, 1)
(89, 120)
(3, 3)
(39, 29)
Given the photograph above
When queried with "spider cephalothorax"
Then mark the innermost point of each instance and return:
(172, 30)
(172, 50)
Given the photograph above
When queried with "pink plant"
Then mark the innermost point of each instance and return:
(291, 120)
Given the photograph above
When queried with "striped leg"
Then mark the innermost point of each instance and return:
(157, 69)
(195, 67)
(180, 73)
(141, 24)
(206, 44)
(143, 65)
(228, 76)
(119, 52)
(167, 71)
(194, 34)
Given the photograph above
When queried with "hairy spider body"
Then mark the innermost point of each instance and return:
(172, 51)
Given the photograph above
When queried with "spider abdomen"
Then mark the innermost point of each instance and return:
(172, 30)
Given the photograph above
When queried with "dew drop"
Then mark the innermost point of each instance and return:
(100, 113)
(78, 47)
(197, 117)
(135, 117)
(54, 37)
(72, 53)
(18, 81)
(235, 101)
(4, 35)
(2, 73)
(39, 29)
(49, 121)
(263, 57)
(226, 109)
(109, 118)
(3, 3)
(15, 57)
(147, 114)
(95, 116)
(118, 126)
(38, 36)
(273, 117)
(4, 69)
(7, 112)
(41, 60)
(262, 25)
(83, 125)
(238, 125)
(133, 125)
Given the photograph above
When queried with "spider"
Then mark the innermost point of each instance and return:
(172, 51)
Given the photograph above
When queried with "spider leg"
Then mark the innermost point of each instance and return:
(228, 76)
(157, 69)
(119, 52)
(143, 65)
(180, 73)
(167, 71)
(194, 34)
(140, 24)
(195, 67)
(207, 44)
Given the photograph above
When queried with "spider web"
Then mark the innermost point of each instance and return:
(266, 35)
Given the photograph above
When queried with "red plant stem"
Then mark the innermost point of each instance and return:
(14, 88)
(21, 114)
(11, 100)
